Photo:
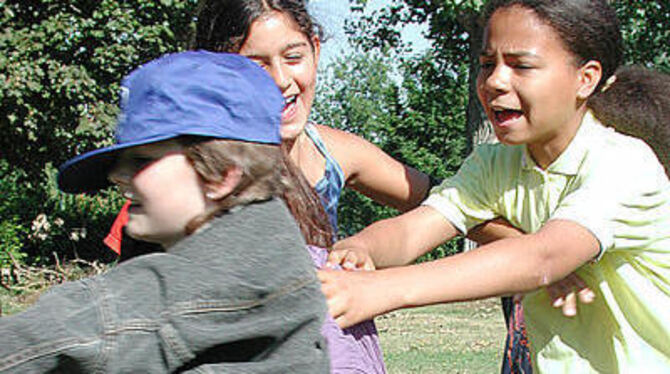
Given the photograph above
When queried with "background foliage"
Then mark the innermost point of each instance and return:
(60, 66)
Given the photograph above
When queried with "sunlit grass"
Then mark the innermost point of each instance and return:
(456, 338)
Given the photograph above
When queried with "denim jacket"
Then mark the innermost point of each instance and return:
(238, 296)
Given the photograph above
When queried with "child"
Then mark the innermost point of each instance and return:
(198, 156)
(590, 200)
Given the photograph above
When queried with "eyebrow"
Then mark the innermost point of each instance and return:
(516, 54)
(295, 45)
(286, 48)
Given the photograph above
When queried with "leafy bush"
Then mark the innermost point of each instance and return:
(61, 62)
(11, 233)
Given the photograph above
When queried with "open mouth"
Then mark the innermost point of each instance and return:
(506, 115)
(289, 101)
(289, 106)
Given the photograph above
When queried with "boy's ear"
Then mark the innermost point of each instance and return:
(219, 190)
(589, 76)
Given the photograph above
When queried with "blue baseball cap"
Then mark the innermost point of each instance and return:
(216, 95)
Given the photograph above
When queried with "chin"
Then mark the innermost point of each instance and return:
(290, 131)
(508, 139)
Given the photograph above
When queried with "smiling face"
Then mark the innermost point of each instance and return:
(165, 191)
(276, 43)
(529, 84)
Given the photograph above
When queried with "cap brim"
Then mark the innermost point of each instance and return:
(88, 172)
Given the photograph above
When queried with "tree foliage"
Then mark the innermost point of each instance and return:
(61, 62)
(398, 107)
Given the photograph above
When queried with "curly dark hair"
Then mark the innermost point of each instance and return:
(223, 25)
(638, 104)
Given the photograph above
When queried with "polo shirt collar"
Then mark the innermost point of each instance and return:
(569, 161)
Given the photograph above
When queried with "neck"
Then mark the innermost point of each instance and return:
(545, 152)
(294, 146)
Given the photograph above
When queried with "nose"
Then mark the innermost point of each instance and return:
(281, 76)
(498, 79)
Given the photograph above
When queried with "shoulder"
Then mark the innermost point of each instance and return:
(355, 154)
(336, 138)
(622, 155)
(622, 165)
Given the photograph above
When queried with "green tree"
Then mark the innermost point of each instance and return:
(396, 105)
(61, 62)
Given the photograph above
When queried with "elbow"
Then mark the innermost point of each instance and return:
(543, 278)
(544, 271)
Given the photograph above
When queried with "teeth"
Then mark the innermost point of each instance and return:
(290, 100)
(128, 195)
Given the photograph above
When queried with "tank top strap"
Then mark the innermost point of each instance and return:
(331, 163)
(314, 136)
(329, 187)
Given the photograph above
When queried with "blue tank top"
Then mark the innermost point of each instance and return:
(329, 188)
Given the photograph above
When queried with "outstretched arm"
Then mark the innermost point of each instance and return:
(564, 293)
(395, 241)
(537, 260)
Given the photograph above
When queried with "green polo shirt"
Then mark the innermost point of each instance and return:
(614, 186)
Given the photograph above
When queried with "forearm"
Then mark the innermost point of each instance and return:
(375, 174)
(400, 240)
(400, 186)
(493, 230)
(477, 274)
(507, 266)
(381, 242)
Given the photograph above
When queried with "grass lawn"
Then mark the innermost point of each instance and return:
(10, 304)
(456, 338)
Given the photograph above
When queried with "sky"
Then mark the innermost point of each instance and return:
(331, 14)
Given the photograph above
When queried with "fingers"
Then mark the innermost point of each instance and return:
(557, 292)
(330, 291)
(349, 260)
(335, 257)
(336, 295)
(586, 295)
(566, 292)
(570, 305)
(343, 322)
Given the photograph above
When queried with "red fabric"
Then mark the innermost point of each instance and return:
(113, 239)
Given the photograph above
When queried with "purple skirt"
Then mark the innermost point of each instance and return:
(354, 349)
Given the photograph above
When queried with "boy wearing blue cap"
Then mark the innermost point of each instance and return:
(197, 153)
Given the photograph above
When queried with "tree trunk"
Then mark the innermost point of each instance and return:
(478, 127)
